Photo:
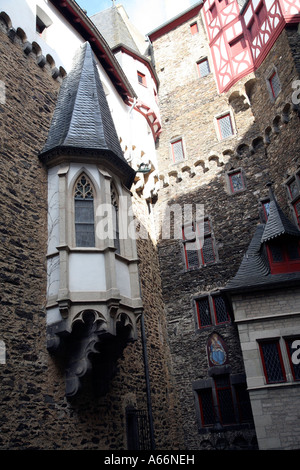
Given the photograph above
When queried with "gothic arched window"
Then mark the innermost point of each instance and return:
(84, 213)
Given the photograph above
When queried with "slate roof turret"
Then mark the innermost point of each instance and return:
(82, 125)
(254, 272)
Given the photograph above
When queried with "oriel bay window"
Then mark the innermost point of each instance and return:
(84, 213)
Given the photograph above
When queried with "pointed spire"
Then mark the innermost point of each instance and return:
(277, 223)
(82, 122)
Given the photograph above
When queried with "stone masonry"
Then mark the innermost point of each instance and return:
(34, 411)
(264, 147)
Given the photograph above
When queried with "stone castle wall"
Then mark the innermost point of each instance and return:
(34, 411)
(264, 147)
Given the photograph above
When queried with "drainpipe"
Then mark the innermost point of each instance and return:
(147, 377)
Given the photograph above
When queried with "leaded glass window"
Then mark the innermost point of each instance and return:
(115, 216)
(211, 310)
(177, 150)
(225, 126)
(84, 213)
(275, 84)
(276, 252)
(296, 206)
(203, 310)
(206, 404)
(221, 311)
(198, 251)
(220, 401)
(203, 68)
(272, 361)
(293, 188)
(226, 408)
(236, 181)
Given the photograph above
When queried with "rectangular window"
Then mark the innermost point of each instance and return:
(220, 309)
(236, 181)
(84, 223)
(253, 28)
(142, 78)
(195, 254)
(194, 28)
(261, 13)
(213, 12)
(293, 350)
(206, 404)
(203, 68)
(272, 361)
(265, 204)
(177, 150)
(203, 312)
(243, 402)
(225, 126)
(274, 84)
(212, 310)
(296, 207)
(237, 46)
(225, 401)
(284, 257)
(293, 188)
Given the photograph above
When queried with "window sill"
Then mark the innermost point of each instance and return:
(224, 428)
(189, 270)
(275, 385)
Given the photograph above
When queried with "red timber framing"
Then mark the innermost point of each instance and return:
(240, 40)
(150, 116)
(77, 18)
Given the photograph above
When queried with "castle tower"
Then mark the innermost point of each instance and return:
(93, 299)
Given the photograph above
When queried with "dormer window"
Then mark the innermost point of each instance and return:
(284, 255)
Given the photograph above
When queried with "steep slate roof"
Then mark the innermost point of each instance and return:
(254, 271)
(278, 224)
(116, 32)
(72, 12)
(82, 120)
(113, 28)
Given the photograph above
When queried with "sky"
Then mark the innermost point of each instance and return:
(146, 15)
